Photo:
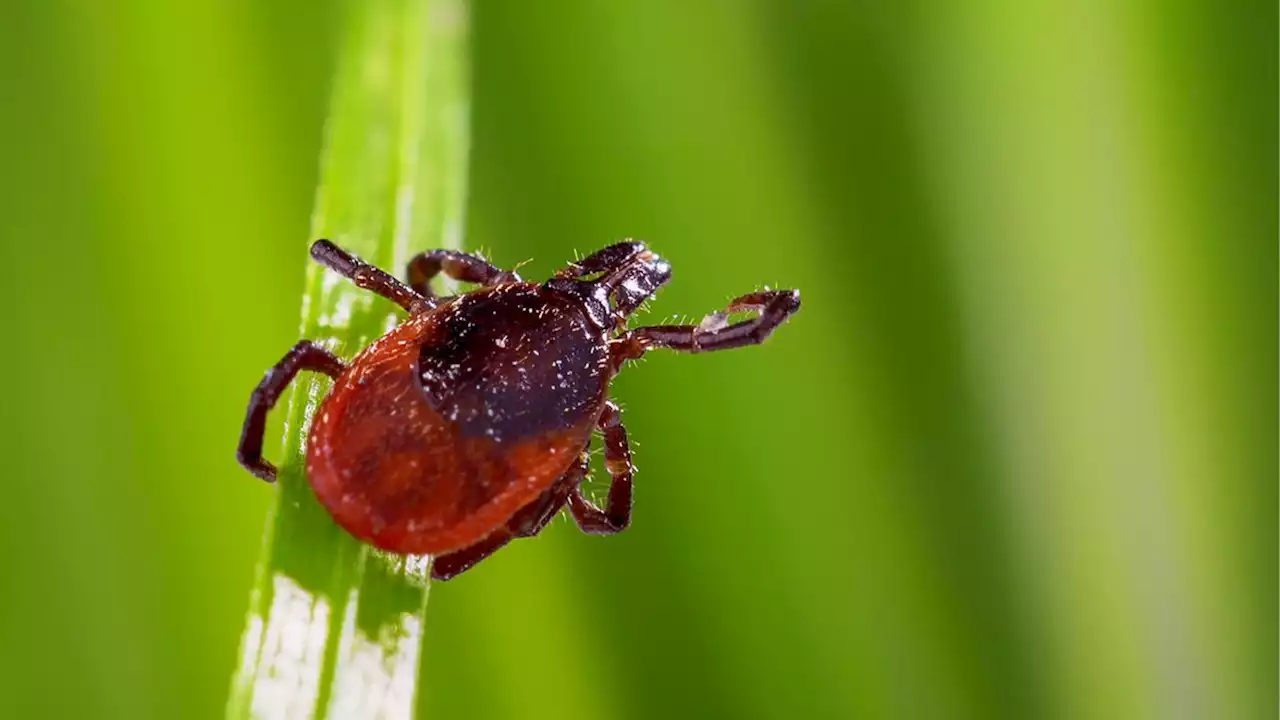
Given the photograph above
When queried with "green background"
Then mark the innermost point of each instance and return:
(1016, 457)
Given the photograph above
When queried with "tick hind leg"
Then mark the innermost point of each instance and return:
(616, 515)
(460, 266)
(304, 356)
(772, 308)
(530, 520)
(368, 277)
(450, 565)
(527, 522)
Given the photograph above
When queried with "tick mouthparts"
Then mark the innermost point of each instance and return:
(658, 268)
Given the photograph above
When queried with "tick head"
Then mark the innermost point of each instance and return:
(631, 282)
(637, 281)
(615, 281)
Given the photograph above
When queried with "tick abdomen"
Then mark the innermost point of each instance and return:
(456, 419)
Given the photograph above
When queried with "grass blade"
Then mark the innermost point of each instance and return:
(334, 628)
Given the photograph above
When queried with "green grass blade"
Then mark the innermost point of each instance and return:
(334, 628)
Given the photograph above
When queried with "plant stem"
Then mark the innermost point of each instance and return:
(334, 628)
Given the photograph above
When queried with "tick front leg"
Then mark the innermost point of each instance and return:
(461, 266)
(304, 356)
(772, 308)
(616, 515)
(368, 277)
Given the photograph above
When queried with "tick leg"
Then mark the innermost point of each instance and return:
(772, 308)
(304, 356)
(616, 515)
(527, 522)
(457, 265)
(368, 277)
(531, 520)
(452, 564)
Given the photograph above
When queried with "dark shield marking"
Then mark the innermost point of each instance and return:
(513, 363)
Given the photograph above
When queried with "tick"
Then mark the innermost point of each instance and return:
(467, 425)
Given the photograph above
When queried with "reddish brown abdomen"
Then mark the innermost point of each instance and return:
(445, 427)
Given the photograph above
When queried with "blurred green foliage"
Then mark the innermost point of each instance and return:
(1016, 457)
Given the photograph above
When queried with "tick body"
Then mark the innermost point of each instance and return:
(468, 424)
